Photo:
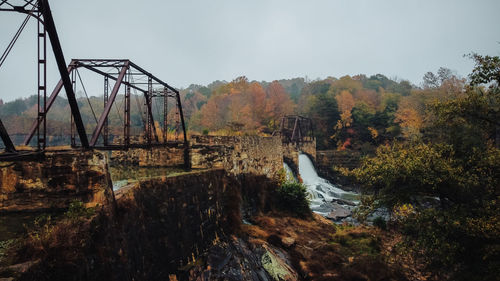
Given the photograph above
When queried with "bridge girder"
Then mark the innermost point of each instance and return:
(40, 9)
(120, 71)
(296, 129)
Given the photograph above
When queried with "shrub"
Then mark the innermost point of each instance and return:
(292, 197)
(281, 176)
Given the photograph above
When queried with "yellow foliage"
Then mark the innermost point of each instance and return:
(403, 211)
(373, 132)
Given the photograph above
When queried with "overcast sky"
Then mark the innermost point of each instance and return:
(198, 41)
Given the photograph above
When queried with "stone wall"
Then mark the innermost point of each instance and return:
(54, 180)
(162, 227)
(171, 155)
(174, 219)
(238, 154)
(326, 160)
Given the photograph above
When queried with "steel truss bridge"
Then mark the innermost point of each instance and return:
(296, 129)
(121, 73)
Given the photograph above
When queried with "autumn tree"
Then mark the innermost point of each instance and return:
(409, 118)
(278, 104)
(456, 234)
(345, 103)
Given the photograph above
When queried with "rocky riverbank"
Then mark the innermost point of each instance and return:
(191, 227)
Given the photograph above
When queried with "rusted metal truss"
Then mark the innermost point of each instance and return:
(122, 72)
(40, 9)
(296, 129)
(126, 75)
(21, 6)
(9, 146)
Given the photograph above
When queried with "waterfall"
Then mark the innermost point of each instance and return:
(289, 173)
(324, 196)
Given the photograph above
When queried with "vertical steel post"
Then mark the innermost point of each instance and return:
(42, 84)
(177, 121)
(106, 97)
(52, 98)
(165, 114)
(295, 128)
(148, 110)
(126, 132)
(50, 26)
(151, 127)
(182, 118)
(73, 135)
(107, 109)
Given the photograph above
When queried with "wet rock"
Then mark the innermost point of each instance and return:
(238, 259)
(276, 267)
(380, 212)
(343, 202)
(232, 260)
(338, 212)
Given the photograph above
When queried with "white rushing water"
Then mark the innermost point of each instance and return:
(321, 192)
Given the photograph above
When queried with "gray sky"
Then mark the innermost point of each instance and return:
(195, 41)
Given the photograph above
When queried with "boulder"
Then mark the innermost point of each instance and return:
(338, 212)
(276, 266)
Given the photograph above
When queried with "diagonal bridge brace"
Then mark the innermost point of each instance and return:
(124, 71)
(110, 102)
(40, 9)
(9, 146)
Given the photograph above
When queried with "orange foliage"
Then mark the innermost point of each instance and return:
(369, 97)
(345, 101)
(278, 102)
(410, 120)
(240, 105)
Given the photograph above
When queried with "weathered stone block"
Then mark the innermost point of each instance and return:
(55, 180)
(238, 154)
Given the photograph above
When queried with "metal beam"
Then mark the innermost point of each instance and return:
(295, 128)
(182, 117)
(153, 77)
(61, 65)
(9, 146)
(165, 115)
(40, 9)
(110, 76)
(51, 100)
(151, 122)
(111, 100)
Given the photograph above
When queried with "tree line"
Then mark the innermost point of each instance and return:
(441, 181)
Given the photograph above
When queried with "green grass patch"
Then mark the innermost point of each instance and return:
(356, 242)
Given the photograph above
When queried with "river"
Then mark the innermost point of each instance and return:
(326, 198)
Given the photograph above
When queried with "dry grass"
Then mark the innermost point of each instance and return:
(316, 250)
